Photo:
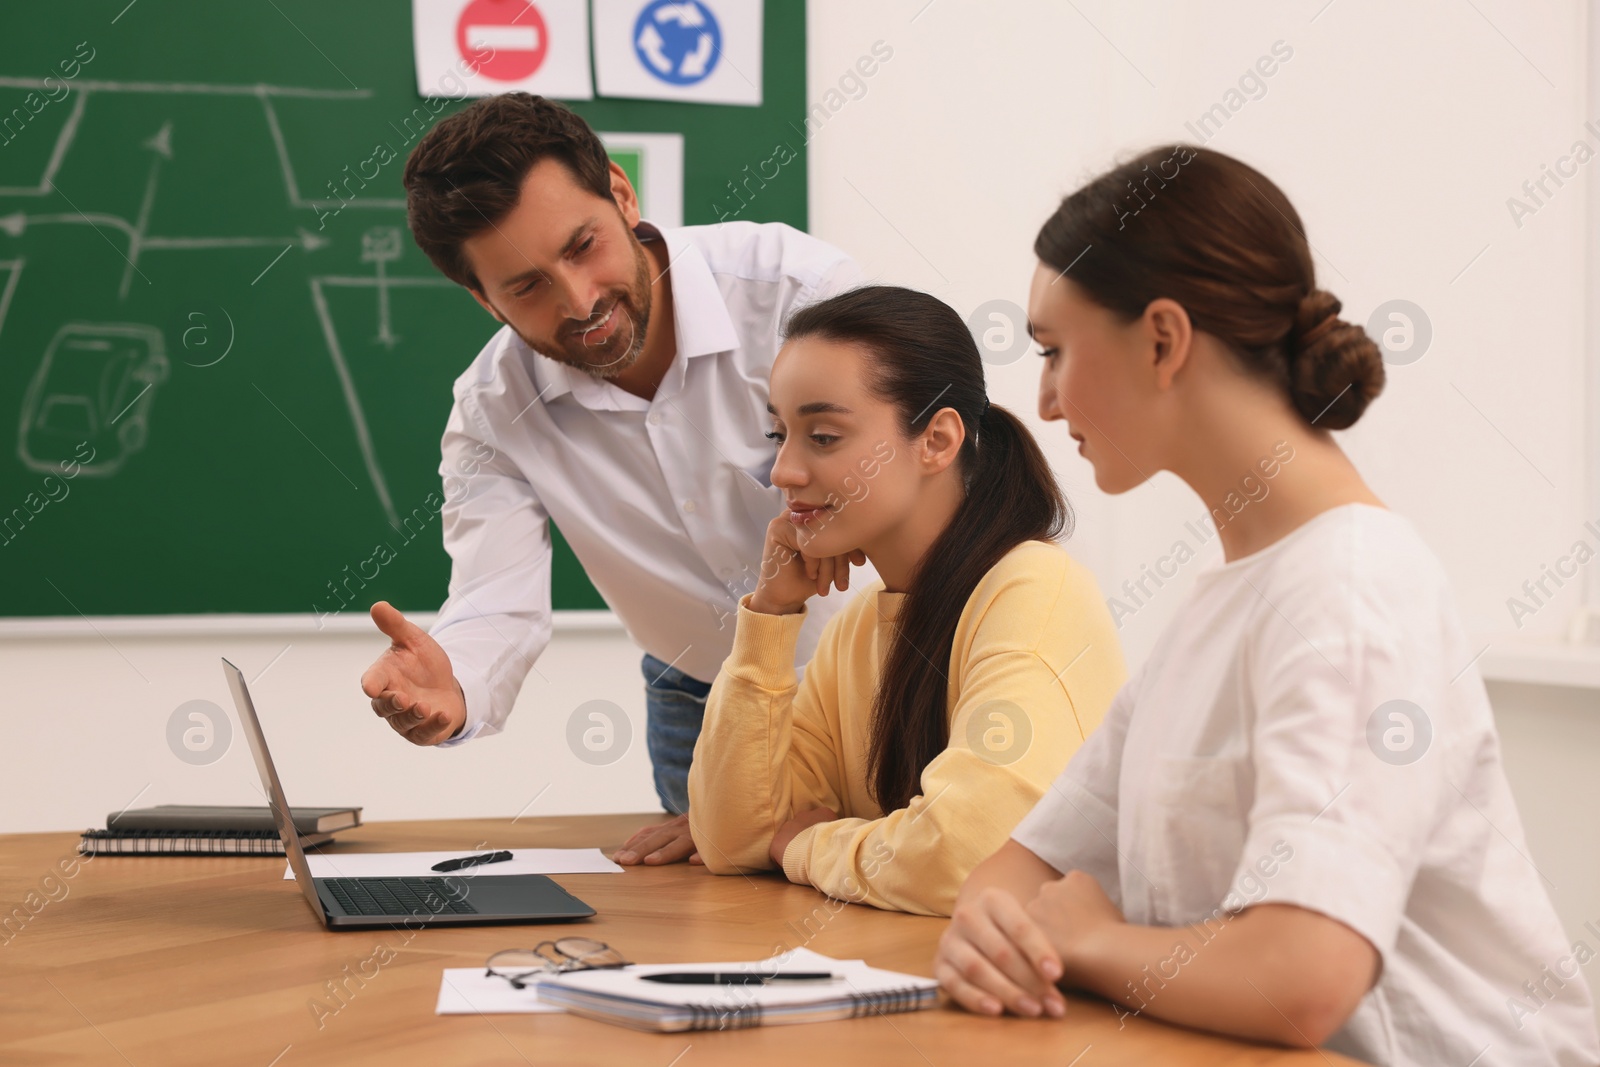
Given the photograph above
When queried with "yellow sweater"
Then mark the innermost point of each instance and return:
(1033, 667)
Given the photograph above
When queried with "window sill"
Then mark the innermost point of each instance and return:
(1531, 661)
(200, 626)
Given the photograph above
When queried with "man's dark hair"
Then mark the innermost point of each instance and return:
(466, 174)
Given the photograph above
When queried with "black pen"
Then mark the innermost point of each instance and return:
(737, 977)
(471, 861)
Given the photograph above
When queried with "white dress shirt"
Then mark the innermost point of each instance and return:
(1311, 730)
(665, 501)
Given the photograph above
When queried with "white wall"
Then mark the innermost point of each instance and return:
(86, 731)
(1399, 130)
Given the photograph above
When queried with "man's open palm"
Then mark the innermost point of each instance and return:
(412, 685)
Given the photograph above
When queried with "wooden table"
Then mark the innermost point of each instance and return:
(208, 961)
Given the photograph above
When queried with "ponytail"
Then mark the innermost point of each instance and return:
(1012, 497)
(923, 360)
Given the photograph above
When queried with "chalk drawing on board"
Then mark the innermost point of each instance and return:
(381, 245)
(358, 418)
(101, 378)
(160, 146)
(286, 166)
(16, 224)
(13, 269)
(265, 93)
(69, 130)
(94, 385)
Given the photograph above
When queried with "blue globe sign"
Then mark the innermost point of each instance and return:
(678, 41)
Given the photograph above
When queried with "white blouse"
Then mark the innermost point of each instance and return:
(1311, 730)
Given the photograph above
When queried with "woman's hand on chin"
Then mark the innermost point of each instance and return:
(789, 577)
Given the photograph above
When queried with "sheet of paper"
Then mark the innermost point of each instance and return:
(801, 959)
(419, 864)
(684, 50)
(858, 978)
(482, 47)
(468, 991)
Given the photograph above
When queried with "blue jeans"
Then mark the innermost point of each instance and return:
(674, 705)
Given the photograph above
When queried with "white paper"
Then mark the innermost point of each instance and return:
(419, 864)
(468, 991)
(483, 47)
(700, 51)
(854, 976)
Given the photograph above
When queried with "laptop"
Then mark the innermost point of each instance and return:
(367, 903)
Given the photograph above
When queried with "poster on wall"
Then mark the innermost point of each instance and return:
(483, 47)
(696, 51)
(654, 165)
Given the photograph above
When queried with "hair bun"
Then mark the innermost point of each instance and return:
(1335, 369)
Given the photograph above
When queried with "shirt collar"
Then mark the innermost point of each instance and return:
(701, 322)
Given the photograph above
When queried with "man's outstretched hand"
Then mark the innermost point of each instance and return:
(667, 842)
(412, 685)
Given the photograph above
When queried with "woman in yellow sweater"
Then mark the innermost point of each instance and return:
(943, 701)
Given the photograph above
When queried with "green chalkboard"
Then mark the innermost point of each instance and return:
(211, 404)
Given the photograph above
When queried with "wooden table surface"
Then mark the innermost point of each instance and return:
(209, 960)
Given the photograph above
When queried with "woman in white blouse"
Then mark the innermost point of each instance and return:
(1293, 824)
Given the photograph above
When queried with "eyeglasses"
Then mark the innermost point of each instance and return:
(518, 965)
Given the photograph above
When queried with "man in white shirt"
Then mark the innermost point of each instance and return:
(625, 399)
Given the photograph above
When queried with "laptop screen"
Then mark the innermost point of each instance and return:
(273, 790)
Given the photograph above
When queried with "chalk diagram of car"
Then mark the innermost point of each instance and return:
(94, 385)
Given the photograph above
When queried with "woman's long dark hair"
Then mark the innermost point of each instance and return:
(922, 358)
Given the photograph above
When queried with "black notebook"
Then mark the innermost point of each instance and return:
(210, 829)
(168, 817)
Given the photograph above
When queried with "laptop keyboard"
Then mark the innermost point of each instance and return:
(396, 896)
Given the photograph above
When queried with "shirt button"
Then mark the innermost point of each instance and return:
(654, 419)
(689, 506)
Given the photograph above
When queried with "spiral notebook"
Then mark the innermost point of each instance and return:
(210, 830)
(189, 842)
(623, 997)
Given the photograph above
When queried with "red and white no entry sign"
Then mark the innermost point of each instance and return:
(502, 39)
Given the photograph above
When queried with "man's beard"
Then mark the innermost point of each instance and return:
(622, 349)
